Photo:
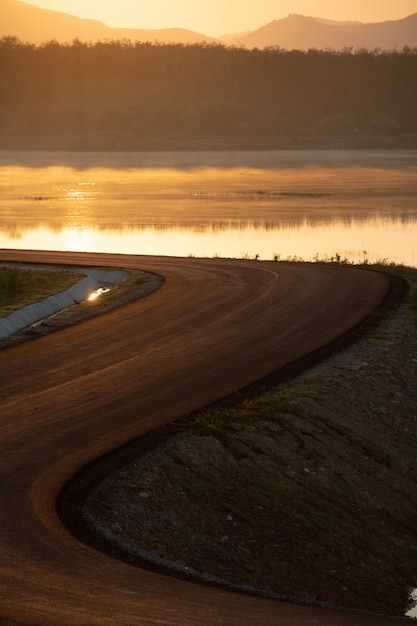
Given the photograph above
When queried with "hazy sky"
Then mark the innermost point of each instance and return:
(217, 17)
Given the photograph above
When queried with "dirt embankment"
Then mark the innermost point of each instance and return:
(317, 500)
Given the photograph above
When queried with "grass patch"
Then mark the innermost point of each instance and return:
(20, 287)
(398, 270)
(219, 423)
(381, 265)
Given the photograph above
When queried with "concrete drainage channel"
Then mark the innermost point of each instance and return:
(96, 281)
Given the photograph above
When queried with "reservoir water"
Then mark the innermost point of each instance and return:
(355, 205)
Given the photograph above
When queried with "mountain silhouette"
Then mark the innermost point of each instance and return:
(32, 24)
(299, 32)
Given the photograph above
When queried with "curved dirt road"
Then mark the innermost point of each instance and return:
(214, 327)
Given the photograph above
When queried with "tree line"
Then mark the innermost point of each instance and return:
(204, 90)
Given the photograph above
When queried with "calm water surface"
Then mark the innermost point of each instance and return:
(284, 204)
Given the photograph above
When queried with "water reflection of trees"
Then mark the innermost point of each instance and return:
(348, 221)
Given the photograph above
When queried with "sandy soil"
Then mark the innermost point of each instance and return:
(315, 501)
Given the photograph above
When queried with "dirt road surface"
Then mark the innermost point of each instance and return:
(66, 399)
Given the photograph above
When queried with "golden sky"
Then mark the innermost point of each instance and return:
(217, 17)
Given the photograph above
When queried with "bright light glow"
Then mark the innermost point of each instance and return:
(216, 17)
(99, 292)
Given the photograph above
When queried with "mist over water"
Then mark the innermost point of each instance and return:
(269, 205)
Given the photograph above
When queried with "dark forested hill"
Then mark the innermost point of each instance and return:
(147, 90)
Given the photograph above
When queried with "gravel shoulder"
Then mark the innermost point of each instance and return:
(315, 501)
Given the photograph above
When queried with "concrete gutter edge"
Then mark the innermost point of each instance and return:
(29, 315)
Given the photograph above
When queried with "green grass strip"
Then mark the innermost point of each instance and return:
(20, 287)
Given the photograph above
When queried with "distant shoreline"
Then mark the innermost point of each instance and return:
(116, 142)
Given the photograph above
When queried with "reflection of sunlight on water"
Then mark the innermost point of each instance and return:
(81, 192)
(231, 240)
(75, 194)
(265, 204)
(167, 221)
(77, 238)
(78, 216)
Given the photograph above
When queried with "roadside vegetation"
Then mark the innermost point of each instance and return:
(21, 287)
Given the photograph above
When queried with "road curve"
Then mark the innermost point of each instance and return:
(68, 398)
